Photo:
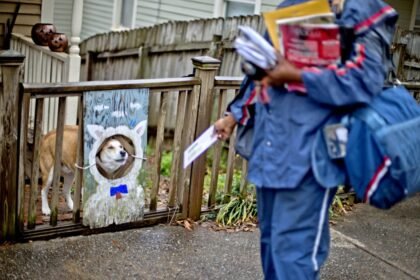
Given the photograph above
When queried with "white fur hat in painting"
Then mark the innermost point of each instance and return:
(119, 200)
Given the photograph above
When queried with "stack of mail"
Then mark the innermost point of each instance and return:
(253, 48)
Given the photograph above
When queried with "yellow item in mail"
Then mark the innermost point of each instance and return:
(310, 8)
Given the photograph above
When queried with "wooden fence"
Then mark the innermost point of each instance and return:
(201, 99)
(163, 51)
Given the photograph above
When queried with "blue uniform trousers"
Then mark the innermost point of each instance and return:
(294, 229)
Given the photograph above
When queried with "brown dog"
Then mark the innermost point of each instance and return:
(47, 154)
(111, 157)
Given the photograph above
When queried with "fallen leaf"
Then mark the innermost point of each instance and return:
(188, 225)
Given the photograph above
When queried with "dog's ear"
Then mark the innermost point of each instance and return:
(96, 131)
(140, 128)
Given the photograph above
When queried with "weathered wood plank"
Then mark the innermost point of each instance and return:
(10, 62)
(26, 1)
(70, 229)
(412, 85)
(79, 160)
(33, 195)
(158, 151)
(143, 54)
(217, 153)
(181, 47)
(244, 181)
(26, 9)
(227, 82)
(206, 68)
(57, 160)
(192, 106)
(176, 169)
(174, 84)
(23, 141)
(230, 168)
(123, 53)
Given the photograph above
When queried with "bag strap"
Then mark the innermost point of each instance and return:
(242, 90)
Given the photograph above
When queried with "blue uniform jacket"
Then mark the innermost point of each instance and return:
(286, 127)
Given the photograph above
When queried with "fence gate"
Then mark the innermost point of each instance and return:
(178, 195)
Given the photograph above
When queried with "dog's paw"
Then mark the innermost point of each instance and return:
(46, 211)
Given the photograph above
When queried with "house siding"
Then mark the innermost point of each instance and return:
(158, 11)
(97, 17)
(147, 13)
(29, 14)
(62, 16)
(404, 8)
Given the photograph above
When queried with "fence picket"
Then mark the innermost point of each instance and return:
(158, 150)
(230, 167)
(176, 169)
(33, 196)
(57, 160)
(192, 106)
(22, 159)
(78, 173)
(217, 153)
(244, 175)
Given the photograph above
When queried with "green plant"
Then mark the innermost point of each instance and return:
(223, 159)
(149, 150)
(342, 203)
(166, 163)
(239, 210)
(335, 207)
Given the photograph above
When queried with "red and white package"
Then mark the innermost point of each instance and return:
(309, 45)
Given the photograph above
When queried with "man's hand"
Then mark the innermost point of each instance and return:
(283, 73)
(224, 127)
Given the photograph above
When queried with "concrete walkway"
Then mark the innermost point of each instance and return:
(366, 244)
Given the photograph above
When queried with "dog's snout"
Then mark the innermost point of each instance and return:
(122, 153)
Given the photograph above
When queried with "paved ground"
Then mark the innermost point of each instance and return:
(366, 244)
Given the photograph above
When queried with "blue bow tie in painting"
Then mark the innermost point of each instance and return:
(118, 191)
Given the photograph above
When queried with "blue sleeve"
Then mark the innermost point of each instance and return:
(358, 80)
(362, 76)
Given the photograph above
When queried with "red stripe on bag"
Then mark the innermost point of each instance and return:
(377, 177)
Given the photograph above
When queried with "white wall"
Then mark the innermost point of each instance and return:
(62, 16)
(150, 12)
(97, 17)
(404, 8)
